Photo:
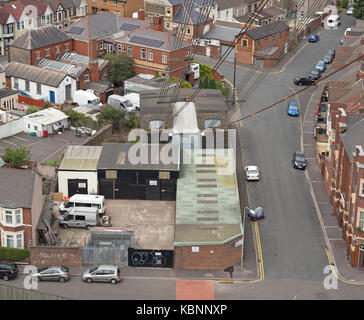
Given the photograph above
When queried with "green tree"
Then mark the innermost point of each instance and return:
(358, 9)
(31, 110)
(185, 84)
(18, 156)
(121, 68)
(344, 3)
(109, 113)
(132, 121)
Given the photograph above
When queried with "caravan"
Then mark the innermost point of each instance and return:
(83, 201)
(333, 21)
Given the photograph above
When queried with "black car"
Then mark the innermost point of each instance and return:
(315, 74)
(303, 81)
(8, 271)
(299, 160)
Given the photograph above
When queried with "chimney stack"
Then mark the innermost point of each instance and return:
(93, 61)
(158, 23)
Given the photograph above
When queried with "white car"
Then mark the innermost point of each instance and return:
(350, 10)
(252, 173)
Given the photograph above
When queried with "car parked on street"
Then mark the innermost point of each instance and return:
(52, 273)
(321, 65)
(328, 58)
(332, 52)
(350, 11)
(8, 270)
(315, 74)
(299, 161)
(303, 81)
(252, 173)
(314, 38)
(102, 273)
(293, 109)
(256, 214)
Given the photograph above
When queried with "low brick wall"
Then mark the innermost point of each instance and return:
(55, 256)
(99, 137)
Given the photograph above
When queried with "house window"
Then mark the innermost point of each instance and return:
(47, 52)
(8, 217)
(36, 128)
(16, 83)
(86, 77)
(150, 55)
(362, 189)
(43, 19)
(188, 30)
(18, 216)
(130, 51)
(168, 14)
(39, 88)
(8, 28)
(67, 46)
(101, 45)
(10, 241)
(119, 47)
(117, 13)
(58, 49)
(167, 25)
(115, 2)
(164, 58)
(27, 85)
(187, 52)
(244, 43)
(19, 241)
(124, 48)
(104, 1)
(361, 220)
(37, 55)
(59, 16)
(142, 53)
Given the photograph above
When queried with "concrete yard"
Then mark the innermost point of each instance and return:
(152, 221)
(42, 149)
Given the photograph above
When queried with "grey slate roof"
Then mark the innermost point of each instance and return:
(2, 69)
(227, 4)
(354, 134)
(45, 76)
(222, 33)
(96, 86)
(267, 30)
(115, 156)
(206, 100)
(5, 92)
(17, 192)
(39, 38)
(194, 16)
(102, 25)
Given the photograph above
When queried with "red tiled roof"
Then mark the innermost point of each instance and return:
(16, 8)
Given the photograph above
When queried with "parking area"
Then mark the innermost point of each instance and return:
(152, 221)
(43, 149)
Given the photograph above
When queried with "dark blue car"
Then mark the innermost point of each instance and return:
(293, 109)
(314, 38)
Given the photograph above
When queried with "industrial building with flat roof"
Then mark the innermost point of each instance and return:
(208, 228)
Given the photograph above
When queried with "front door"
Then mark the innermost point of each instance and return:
(68, 92)
(52, 96)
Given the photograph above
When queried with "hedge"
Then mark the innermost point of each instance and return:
(13, 254)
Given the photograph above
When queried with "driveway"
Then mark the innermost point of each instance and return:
(42, 149)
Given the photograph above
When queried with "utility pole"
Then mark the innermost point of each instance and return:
(234, 85)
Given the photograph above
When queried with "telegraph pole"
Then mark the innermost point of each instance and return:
(234, 83)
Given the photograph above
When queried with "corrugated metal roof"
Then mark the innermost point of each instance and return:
(116, 156)
(51, 78)
(81, 158)
(47, 116)
(71, 69)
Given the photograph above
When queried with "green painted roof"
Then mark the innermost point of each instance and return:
(207, 205)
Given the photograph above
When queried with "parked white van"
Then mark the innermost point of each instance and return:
(83, 201)
(333, 20)
(79, 218)
(128, 103)
(195, 68)
(82, 97)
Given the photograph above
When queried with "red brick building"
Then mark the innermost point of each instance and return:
(45, 42)
(263, 45)
(21, 205)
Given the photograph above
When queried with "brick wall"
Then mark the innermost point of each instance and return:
(99, 137)
(55, 256)
(214, 257)
(52, 51)
(81, 47)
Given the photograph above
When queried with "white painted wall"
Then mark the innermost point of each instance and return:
(32, 126)
(11, 128)
(90, 176)
(60, 91)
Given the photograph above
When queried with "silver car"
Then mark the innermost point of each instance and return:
(52, 273)
(102, 274)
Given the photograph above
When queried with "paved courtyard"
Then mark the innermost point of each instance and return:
(42, 149)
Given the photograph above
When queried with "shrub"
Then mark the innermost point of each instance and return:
(31, 110)
(18, 156)
(13, 254)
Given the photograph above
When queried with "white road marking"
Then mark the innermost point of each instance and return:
(20, 138)
(64, 146)
(10, 142)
